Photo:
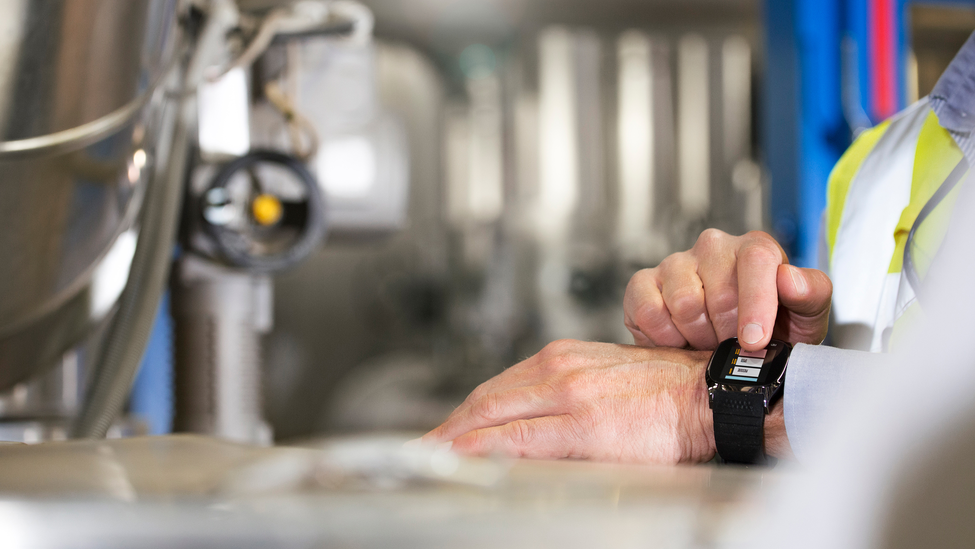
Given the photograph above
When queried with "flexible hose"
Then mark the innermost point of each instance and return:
(128, 335)
(296, 122)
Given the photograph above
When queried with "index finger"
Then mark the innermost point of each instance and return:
(758, 299)
(496, 409)
(548, 437)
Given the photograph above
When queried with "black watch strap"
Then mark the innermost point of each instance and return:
(739, 426)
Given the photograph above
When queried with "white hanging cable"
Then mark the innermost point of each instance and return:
(302, 17)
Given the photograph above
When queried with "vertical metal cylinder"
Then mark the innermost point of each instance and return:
(220, 317)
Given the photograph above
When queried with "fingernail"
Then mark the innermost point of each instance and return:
(445, 446)
(752, 333)
(799, 280)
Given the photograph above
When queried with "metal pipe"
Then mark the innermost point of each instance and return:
(128, 335)
(115, 371)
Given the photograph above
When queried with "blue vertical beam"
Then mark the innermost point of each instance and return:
(780, 120)
(903, 29)
(804, 130)
(824, 134)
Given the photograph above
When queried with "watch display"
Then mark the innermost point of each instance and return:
(733, 365)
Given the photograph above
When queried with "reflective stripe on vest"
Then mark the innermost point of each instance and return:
(937, 155)
(929, 232)
(875, 193)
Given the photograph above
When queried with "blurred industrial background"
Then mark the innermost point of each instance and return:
(555, 148)
(297, 233)
(493, 172)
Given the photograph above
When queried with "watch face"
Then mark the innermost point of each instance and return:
(731, 365)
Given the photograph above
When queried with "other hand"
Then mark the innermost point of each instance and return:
(597, 401)
(727, 286)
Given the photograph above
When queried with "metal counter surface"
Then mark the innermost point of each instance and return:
(190, 491)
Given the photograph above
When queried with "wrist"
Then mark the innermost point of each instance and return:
(742, 384)
(702, 447)
(776, 442)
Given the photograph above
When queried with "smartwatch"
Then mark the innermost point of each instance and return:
(742, 387)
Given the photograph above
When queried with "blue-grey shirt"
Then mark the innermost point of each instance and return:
(821, 379)
(953, 99)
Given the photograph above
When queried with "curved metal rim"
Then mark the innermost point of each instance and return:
(78, 136)
(90, 132)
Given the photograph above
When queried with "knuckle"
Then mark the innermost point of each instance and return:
(760, 252)
(557, 348)
(471, 443)
(521, 433)
(763, 239)
(673, 262)
(649, 317)
(642, 293)
(686, 303)
(573, 387)
(547, 391)
(642, 279)
(722, 300)
(557, 364)
(488, 407)
(760, 236)
(583, 420)
(711, 239)
(477, 393)
(558, 356)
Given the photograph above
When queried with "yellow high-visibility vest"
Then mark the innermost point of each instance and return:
(875, 194)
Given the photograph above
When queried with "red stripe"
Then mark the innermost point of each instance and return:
(882, 46)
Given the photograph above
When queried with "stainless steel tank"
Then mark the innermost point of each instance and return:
(78, 84)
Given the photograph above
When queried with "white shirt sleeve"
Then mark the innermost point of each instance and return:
(819, 383)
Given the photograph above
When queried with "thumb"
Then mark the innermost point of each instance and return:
(804, 292)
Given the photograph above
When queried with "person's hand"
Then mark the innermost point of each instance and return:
(727, 286)
(597, 401)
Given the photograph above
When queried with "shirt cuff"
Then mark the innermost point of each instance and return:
(819, 383)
